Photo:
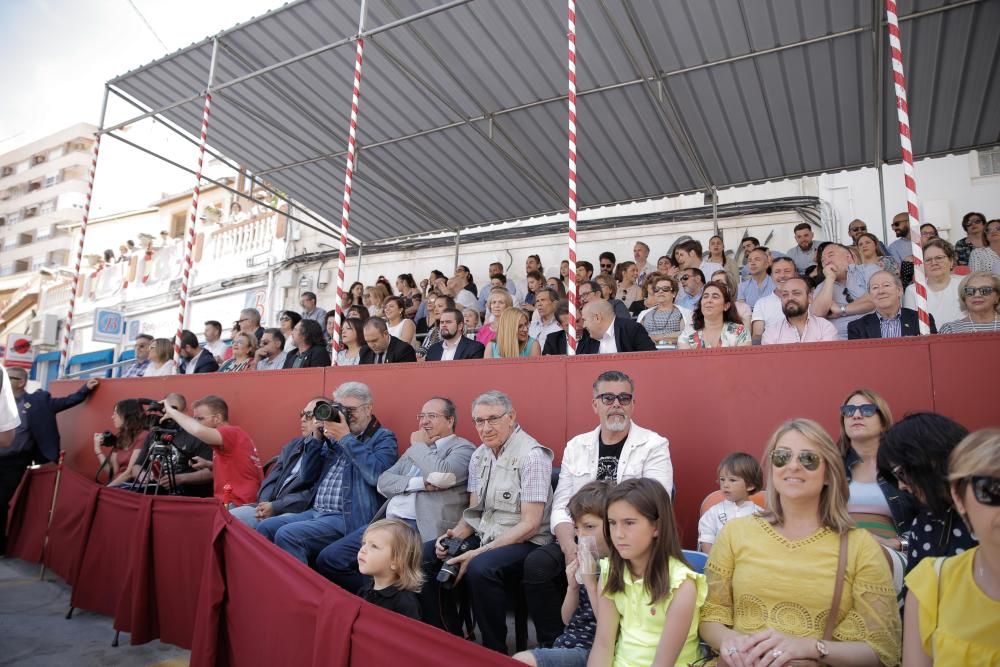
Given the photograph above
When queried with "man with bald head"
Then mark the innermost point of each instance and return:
(890, 319)
(843, 296)
(609, 334)
(902, 248)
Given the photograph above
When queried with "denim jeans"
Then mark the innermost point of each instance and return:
(246, 514)
(304, 534)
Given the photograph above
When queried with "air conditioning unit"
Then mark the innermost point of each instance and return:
(45, 330)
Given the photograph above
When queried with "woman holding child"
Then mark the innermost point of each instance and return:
(775, 589)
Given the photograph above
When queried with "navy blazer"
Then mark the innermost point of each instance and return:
(39, 419)
(397, 352)
(869, 327)
(297, 495)
(204, 363)
(630, 336)
(467, 349)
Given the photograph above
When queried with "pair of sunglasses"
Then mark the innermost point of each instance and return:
(866, 410)
(985, 290)
(986, 489)
(781, 457)
(624, 399)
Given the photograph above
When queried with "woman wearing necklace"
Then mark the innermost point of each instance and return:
(954, 603)
(979, 297)
(715, 321)
(987, 258)
(914, 452)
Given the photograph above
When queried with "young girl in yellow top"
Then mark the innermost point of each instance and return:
(648, 610)
(953, 604)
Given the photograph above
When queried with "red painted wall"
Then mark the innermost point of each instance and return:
(707, 403)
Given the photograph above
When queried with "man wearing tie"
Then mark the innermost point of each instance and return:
(384, 348)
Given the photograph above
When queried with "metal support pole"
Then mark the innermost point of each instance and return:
(571, 153)
(881, 201)
(361, 247)
(903, 114)
(68, 330)
(715, 211)
(878, 79)
(458, 243)
(190, 235)
(345, 216)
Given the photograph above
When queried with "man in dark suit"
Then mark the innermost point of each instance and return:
(384, 348)
(453, 344)
(610, 334)
(194, 358)
(890, 319)
(36, 438)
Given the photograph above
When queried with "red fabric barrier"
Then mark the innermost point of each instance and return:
(71, 523)
(29, 514)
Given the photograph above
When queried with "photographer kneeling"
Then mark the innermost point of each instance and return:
(510, 482)
(235, 464)
(175, 455)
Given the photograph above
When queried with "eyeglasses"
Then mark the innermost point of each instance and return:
(428, 415)
(985, 290)
(306, 414)
(663, 289)
(607, 266)
(284, 318)
(624, 399)
(934, 259)
(781, 457)
(900, 474)
(986, 489)
(858, 229)
(583, 295)
(684, 278)
(866, 410)
(492, 421)
(847, 296)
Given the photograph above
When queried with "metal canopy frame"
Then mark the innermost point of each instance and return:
(441, 77)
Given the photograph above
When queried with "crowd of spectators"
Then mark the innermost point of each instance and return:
(886, 535)
(691, 298)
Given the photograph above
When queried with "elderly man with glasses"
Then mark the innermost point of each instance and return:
(355, 451)
(426, 488)
(616, 450)
(507, 518)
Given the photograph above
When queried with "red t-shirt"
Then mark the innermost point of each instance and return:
(236, 463)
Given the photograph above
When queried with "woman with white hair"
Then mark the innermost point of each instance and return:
(979, 298)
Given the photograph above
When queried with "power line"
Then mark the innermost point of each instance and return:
(148, 25)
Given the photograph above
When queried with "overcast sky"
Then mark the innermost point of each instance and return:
(56, 56)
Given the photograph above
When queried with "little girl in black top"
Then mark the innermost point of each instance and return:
(390, 555)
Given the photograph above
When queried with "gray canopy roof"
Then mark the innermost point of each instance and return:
(463, 113)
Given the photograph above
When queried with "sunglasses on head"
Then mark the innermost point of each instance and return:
(866, 410)
(624, 399)
(985, 290)
(986, 489)
(781, 456)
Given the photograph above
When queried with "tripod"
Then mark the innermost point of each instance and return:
(160, 459)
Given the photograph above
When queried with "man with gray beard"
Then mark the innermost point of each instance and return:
(618, 449)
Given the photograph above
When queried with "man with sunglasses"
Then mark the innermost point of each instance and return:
(606, 263)
(843, 297)
(692, 285)
(616, 450)
(343, 472)
(284, 489)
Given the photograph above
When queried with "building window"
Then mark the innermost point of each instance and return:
(6, 171)
(52, 180)
(48, 207)
(14, 218)
(989, 162)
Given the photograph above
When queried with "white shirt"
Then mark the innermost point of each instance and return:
(448, 350)
(708, 268)
(166, 368)
(718, 515)
(767, 310)
(608, 345)
(467, 299)
(404, 505)
(218, 348)
(943, 305)
(539, 330)
(9, 417)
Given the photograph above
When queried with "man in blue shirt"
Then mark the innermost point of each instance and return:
(692, 285)
(138, 368)
(902, 248)
(759, 283)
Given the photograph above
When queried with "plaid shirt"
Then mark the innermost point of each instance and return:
(330, 494)
(536, 476)
(136, 370)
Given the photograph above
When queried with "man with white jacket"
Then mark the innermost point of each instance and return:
(618, 449)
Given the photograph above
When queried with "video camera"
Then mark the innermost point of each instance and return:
(153, 412)
(454, 546)
(326, 411)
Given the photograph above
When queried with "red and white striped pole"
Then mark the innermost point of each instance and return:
(345, 214)
(190, 235)
(571, 235)
(68, 329)
(903, 113)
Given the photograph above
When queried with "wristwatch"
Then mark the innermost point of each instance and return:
(824, 653)
(843, 310)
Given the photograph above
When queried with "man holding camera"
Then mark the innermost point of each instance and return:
(425, 488)
(284, 489)
(236, 467)
(510, 483)
(356, 450)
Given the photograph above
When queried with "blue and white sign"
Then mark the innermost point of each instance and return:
(109, 326)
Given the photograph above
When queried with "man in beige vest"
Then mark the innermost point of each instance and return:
(510, 487)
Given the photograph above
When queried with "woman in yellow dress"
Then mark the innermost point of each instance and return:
(953, 604)
(771, 577)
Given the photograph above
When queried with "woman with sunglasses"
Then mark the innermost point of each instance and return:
(915, 452)
(953, 603)
(715, 321)
(664, 321)
(286, 322)
(772, 577)
(979, 298)
(875, 503)
(975, 237)
(987, 258)
(244, 357)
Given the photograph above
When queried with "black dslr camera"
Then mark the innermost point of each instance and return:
(329, 412)
(455, 547)
(153, 417)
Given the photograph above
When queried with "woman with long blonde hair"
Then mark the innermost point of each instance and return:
(512, 339)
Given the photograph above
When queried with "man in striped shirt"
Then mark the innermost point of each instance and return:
(890, 319)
